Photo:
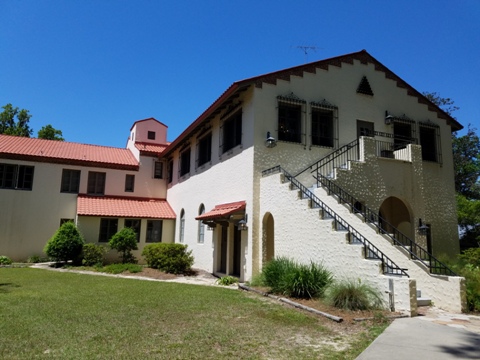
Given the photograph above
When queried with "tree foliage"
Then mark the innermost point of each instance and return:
(14, 121)
(446, 104)
(124, 242)
(48, 132)
(466, 162)
(66, 244)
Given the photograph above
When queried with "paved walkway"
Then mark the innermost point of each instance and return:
(435, 335)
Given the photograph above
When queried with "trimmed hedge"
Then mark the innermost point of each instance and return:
(93, 254)
(171, 258)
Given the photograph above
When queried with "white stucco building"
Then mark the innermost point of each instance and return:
(338, 161)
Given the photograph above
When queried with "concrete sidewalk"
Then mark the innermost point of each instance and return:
(437, 335)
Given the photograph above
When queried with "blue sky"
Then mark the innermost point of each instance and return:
(91, 68)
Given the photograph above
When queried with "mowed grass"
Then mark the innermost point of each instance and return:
(52, 315)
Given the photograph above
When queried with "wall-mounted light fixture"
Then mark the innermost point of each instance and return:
(242, 224)
(388, 118)
(422, 228)
(270, 142)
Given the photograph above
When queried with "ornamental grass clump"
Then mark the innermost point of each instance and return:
(289, 278)
(354, 295)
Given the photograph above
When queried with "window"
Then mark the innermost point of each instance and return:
(151, 135)
(108, 228)
(232, 132)
(204, 149)
(19, 177)
(170, 171)
(134, 224)
(322, 127)
(430, 141)
(201, 226)
(182, 226)
(290, 122)
(154, 231)
(70, 181)
(129, 183)
(96, 183)
(185, 162)
(158, 170)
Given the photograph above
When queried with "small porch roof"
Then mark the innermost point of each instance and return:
(223, 210)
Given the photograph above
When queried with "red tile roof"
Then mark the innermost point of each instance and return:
(127, 207)
(150, 149)
(23, 148)
(223, 210)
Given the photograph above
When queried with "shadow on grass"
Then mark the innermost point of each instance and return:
(5, 287)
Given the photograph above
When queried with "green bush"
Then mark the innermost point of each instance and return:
(227, 280)
(286, 277)
(171, 258)
(5, 260)
(66, 244)
(354, 295)
(93, 254)
(124, 242)
(120, 268)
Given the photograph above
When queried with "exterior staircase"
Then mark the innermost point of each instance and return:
(397, 256)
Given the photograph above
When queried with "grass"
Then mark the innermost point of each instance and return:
(47, 314)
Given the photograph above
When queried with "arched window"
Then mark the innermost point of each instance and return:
(201, 226)
(182, 226)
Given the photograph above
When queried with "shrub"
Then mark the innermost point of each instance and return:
(354, 295)
(66, 244)
(285, 276)
(227, 280)
(124, 242)
(93, 254)
(5, 260)
(171, 258)
(120, 268)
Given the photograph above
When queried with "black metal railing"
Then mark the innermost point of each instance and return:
(370, 250)
(337, 158)
(415, 251)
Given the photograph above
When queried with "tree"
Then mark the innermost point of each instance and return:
(446, 104)
(14, 121)
(124, 242)
(66, 244)
(48, 132)
(466, 162)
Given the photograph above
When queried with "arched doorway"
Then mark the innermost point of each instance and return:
(268, 238)
(396, 214)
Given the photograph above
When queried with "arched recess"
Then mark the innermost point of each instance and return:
(396, 213)
(268, 238)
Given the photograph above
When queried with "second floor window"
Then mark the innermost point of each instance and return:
(70, 181)
(129, 183)
(184, 162)
(290, 122)
(232, 132)
(322, 127)
(96, 183)
(19, 177)
(204, 150)
(158, 170)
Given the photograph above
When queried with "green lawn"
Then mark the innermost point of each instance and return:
(52, 315)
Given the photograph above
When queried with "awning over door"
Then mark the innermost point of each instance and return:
(223, 211)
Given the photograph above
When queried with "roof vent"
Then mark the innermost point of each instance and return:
(364, 87)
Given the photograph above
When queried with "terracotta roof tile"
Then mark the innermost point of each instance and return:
(222, 210)
(127, 207)
(15, 147)
(154, 149)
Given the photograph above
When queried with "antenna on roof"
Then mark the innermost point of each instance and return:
(306, 49)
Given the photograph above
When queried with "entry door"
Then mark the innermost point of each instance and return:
(364, 128)
(223, 250)
(237, 241)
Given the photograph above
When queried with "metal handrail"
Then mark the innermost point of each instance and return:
(398, 238)
(370, 250)
(341, 155)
